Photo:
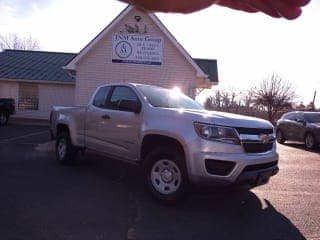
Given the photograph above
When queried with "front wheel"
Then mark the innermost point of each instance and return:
(280, 137)
(310, 141)
(165, 174)
(65, 151)
(4, 117)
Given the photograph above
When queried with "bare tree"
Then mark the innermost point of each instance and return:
(222, 100)
(14, 41)
(274, 94)
(247, 97)
(213, 102)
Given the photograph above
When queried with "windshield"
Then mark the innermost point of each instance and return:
(168, 98)
(312, 117)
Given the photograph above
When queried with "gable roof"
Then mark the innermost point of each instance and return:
(157, 22)
(210, 67)
(35, 65)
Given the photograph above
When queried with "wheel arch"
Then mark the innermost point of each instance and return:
(150, 141)
(62, 127)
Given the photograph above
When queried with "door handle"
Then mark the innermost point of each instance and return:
(106, 116)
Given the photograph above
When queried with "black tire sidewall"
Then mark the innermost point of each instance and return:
(281, 140)
(6, 115)
(177, 157)
(69, 157)
(314, 141)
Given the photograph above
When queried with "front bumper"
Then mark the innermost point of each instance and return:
(256, 178)
(245, 169)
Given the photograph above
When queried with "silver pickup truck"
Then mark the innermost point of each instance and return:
(175, 140)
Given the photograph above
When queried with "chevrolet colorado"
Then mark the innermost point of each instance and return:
(174, 139)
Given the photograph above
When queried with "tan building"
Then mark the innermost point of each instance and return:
(36, 81)
(134, 47)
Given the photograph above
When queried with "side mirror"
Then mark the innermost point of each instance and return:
(130, 106)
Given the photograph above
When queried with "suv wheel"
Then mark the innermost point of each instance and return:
(65, 151)
(310, 141)
(279, 136)
(165, 174)
(4, 117)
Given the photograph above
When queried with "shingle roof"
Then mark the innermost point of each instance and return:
(210, 67)
(35, 65)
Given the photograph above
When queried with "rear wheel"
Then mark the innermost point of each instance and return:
(65, 151)
(280, 137)
(310, 141)
(4, 117)
(165, 174)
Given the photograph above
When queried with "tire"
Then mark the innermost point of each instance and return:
(165, 174)
(310, 141)
(279, 136)
(4, 117)
(65, 151)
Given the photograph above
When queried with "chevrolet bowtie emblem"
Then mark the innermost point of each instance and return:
(264, 138)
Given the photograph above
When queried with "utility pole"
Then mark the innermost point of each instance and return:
(314, 97)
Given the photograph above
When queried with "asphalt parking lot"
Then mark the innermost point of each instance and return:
(103, 199)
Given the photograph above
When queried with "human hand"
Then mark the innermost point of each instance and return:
(289, 9)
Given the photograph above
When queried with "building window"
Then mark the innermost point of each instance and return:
(28, 96)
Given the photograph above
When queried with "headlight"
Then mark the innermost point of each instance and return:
(217, 133)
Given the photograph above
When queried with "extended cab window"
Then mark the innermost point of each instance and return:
(101, 97)
(121, 93)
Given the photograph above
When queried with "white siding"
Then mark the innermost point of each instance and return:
(96, 68)
(9, 90)
(49, 95)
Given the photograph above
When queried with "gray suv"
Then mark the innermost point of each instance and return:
(299, 126)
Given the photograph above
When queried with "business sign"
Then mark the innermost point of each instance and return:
(137, 49)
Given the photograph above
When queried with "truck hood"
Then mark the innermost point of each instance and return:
(224, 119)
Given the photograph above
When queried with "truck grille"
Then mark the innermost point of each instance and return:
(255, 140)
(257, 147)
(254, 131)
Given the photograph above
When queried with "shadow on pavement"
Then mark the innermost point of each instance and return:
(215, 215)
(104, 199)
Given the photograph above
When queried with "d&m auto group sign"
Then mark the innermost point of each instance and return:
(137, 49)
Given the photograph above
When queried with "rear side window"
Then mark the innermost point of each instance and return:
(290, 116)
(121, 93)
(101, 97)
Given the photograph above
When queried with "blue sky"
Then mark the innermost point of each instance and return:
(248, 47)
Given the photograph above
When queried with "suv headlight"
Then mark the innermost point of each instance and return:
(217, 133)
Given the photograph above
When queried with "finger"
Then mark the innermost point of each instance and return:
(263, 6)
(286, 10)
(237, 5)
(295, 3)
(181, 6)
